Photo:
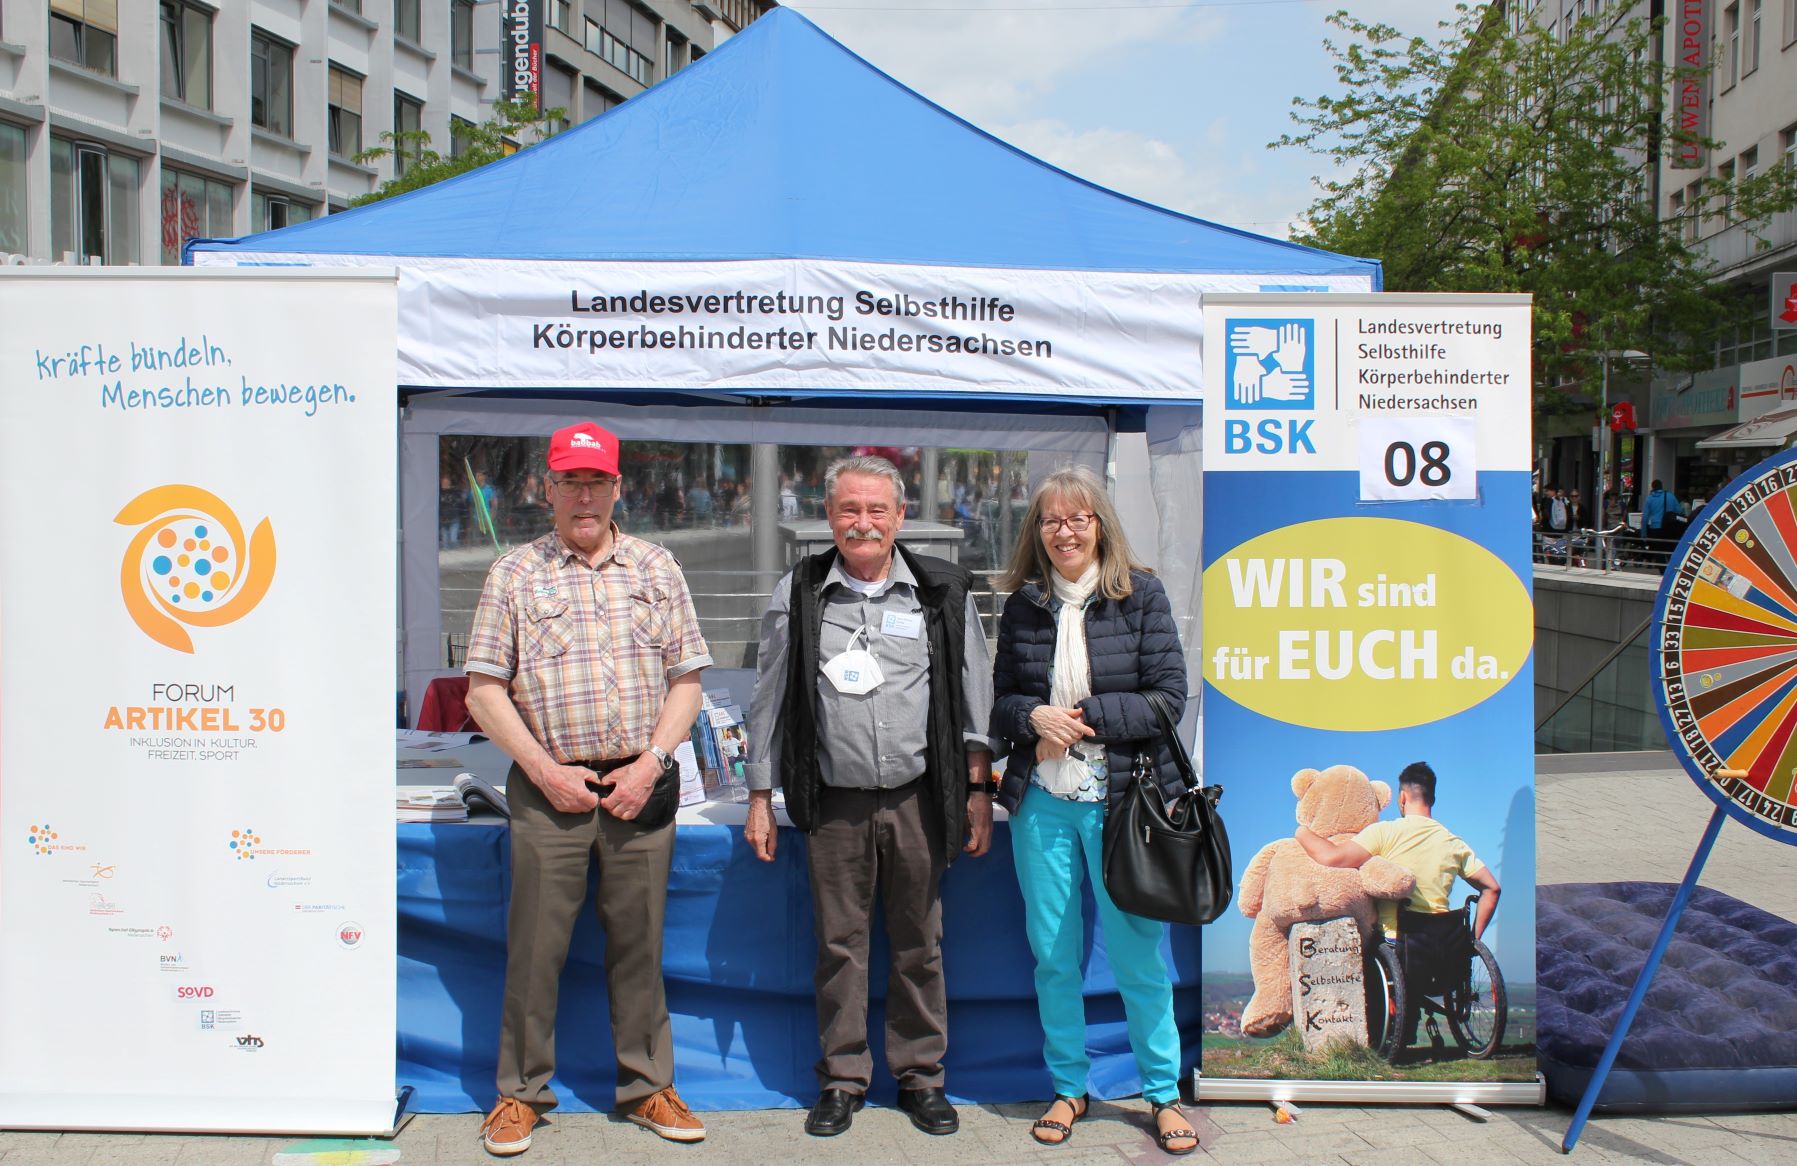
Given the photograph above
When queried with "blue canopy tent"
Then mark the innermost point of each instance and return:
(781, 243)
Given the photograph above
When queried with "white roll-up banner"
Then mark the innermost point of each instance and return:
(197, 474)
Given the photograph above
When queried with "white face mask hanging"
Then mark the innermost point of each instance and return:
(854, 671)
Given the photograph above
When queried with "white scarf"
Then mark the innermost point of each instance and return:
(1072, 678)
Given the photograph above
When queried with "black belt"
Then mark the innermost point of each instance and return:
(606, 766)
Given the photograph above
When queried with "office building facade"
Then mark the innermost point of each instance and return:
(128, 127)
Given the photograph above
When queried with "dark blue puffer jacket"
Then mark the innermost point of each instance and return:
(1133, 645)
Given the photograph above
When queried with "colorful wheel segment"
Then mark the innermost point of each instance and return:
(1725, 666)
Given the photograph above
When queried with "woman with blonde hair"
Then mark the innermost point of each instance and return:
(1085, 633)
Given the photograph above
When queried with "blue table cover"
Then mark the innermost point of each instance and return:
(738, 962)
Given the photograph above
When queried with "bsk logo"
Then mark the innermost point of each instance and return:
(207, 1018)
(1270, 364)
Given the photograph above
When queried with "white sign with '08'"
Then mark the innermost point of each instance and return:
(1405, 459)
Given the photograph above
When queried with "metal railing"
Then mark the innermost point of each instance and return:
(1619, 548)
(729, 603)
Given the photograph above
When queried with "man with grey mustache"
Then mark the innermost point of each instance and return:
(872, 693)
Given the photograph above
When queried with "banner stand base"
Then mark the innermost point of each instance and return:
(1450, 1093)
(402, 1114)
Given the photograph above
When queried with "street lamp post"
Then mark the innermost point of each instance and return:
(1603, 442)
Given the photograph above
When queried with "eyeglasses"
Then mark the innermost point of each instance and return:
(1077, 523)
(569, 488)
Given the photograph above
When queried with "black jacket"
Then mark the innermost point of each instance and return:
(942, 592)
(1133, 646)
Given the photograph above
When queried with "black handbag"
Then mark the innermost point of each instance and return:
(1168, 862)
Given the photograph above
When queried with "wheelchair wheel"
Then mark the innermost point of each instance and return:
(1477, 1011)
(1385, 1000)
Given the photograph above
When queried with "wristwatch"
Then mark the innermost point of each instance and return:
(663, 756)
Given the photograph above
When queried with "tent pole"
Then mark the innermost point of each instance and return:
(764, 515)
(926, 490)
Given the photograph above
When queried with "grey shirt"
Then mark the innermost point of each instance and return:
(876, 740)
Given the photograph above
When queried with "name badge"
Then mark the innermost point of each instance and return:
(906, 627)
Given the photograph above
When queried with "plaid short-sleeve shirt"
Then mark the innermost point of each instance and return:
(589, 650)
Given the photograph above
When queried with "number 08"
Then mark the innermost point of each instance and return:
(1401, 466)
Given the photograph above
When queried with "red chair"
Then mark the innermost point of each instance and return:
(445, 707)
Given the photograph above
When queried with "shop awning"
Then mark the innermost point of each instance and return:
(1771, 431)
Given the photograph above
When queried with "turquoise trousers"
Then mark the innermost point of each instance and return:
(1056, 844)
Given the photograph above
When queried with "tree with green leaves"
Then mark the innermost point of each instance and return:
(511, 124)
(1502, 158)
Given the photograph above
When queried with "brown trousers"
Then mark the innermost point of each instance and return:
(867, 843)
(550, 856)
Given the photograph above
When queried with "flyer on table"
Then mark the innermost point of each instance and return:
(196, 843)
(1367, 605)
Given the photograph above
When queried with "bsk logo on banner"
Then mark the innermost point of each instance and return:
(1270, 364)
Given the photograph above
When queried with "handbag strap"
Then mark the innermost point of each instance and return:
(1182, 760)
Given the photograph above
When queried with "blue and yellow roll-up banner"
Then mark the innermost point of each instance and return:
(1367, 605)
(197, 478)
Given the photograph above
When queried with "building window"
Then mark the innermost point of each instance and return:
(187, 52)
(1731, 45)
(1788, 139)
(598, 100)
(561, 14)
(86, 33)
(1753, 35)
(352, 5)
(461, 136)
(271, 212)
(13, 220)
(93, 203)
(676, 54)
(461, 34)
(625, 39)
(271, 84)
(343, 113)
(1725, 174)
(558, 92)
(407, 20)
(193, 207)
(408, 126)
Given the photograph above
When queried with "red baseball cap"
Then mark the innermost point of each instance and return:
(584, 447)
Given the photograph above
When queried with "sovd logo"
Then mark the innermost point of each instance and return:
(192, 992)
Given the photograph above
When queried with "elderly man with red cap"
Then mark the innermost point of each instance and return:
(583, 665)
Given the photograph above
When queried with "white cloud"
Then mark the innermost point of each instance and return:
(996, 65)
(1152, 170)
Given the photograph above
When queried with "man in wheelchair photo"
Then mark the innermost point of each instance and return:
(1431, 959)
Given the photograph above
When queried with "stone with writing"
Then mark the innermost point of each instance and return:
(1328, 983)
(1282, 887)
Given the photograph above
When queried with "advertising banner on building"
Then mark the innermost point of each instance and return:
(795, 324)
(521, 51)
(1368, 701)
(196, 842)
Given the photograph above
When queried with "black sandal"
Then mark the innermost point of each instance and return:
(1077, 1105)
(1166, 1136)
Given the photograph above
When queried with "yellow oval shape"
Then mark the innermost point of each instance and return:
(1362, 624)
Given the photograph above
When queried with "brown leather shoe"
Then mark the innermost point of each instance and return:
(507, 1129)
(665, 1114)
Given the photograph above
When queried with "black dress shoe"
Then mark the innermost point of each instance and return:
(834, 1110)
(929, 1110)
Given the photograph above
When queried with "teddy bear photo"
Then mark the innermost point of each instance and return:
(1283, 886)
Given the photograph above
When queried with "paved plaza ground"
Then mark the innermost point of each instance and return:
(1580, 830)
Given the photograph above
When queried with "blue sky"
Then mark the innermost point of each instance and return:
(1169, 102)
